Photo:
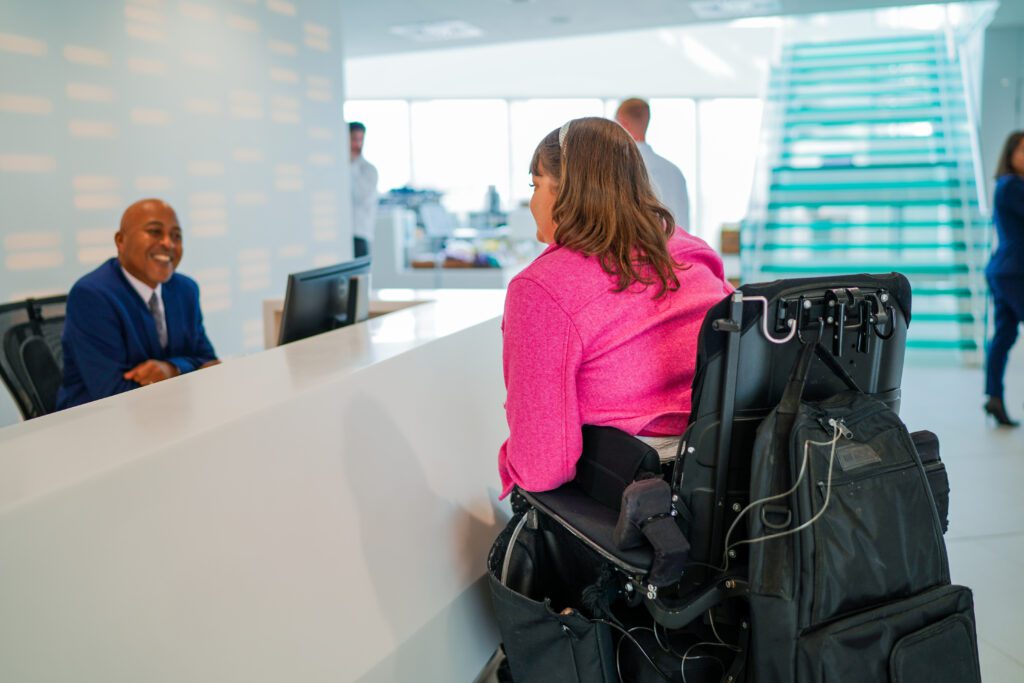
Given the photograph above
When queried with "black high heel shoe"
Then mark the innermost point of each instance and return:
(995, 408)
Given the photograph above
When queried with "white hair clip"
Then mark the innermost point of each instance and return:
(562, 133)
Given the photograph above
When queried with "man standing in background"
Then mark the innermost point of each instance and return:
(669, 184)
(363, 177)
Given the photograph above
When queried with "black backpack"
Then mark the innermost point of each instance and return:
(849, 579)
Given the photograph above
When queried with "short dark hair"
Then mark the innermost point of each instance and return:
(1009, 147)
(356, 125)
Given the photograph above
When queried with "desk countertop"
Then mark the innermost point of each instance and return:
(317, 512)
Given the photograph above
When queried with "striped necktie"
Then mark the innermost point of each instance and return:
(158, 318)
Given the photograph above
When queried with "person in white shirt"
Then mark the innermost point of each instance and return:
(667, 180)
(364, 191)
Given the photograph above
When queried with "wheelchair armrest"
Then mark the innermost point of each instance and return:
(593, 524)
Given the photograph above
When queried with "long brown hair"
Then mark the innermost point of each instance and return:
(605, 206)
(1005, 167)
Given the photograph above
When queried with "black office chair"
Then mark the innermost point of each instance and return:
(31, 358)
(695, 618)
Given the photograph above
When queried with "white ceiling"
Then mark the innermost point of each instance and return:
(367, 23)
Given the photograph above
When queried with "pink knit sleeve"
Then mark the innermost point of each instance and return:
(542, 352)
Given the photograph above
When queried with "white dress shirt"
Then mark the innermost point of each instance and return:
(668, 183)
(364, 198)
(146, 292)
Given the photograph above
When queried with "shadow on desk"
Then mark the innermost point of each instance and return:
(397, 494)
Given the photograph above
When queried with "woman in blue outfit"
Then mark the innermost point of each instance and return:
(1005, 271)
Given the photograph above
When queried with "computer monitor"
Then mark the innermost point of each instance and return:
(324, 299)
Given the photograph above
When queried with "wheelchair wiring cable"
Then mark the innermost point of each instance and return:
(768, 499)
(683, 658)
(627, 633)
(664, 648)
(688, 658)
(711, 620)
(839, 430)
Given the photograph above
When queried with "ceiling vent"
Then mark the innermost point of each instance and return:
(437, 31)
(720, 10)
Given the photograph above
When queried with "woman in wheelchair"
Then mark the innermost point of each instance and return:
(601, 329)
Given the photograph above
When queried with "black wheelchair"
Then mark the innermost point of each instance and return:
(724, 564)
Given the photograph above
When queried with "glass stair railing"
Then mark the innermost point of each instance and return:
(868, 167)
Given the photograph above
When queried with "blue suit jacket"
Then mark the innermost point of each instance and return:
(108, 330)
(1008, 215)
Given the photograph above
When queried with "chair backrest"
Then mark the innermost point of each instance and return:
(31, 357)
(742, 373)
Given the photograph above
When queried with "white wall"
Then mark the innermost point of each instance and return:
(1002, 93)
(232, 111)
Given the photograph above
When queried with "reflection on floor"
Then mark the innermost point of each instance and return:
(986, 517)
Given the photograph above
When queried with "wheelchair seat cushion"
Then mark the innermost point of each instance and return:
(593, 523)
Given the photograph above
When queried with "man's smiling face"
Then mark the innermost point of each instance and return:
(149, 244)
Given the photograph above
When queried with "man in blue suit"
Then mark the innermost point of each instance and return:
(133, 321)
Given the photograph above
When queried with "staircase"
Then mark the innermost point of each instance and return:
(869, 168)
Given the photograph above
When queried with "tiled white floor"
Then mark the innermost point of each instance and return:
(986, 473)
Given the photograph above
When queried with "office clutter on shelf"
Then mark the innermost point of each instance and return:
(486, 239)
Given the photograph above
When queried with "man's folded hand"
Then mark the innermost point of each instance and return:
(150, 371)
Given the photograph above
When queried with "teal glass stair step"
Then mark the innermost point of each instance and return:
(829, 88)
(846, 187)
(941, 344)
(853, 246)
(829, 133)
(933, 118)
(917, 79)
(873, 267)
(867, 153)
(865, 168)
(928, 106)
(853, 201)
(807, 64)
(853, 137)
(921, 317)
(932, 51)
(818, 94)
(867, 66)
(827, 226)
(878, 70)
(855, 105)
(883, 118)
(865, 42)
(957, 292)
(861, 154)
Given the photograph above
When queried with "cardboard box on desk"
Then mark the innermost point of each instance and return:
(730, 238)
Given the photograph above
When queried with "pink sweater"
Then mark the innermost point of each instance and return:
(577, 353)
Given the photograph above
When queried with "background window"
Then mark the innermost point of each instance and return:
(460, 147)
(530, 121)
(728, 136)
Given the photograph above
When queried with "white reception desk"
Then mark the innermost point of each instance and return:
(316, 512)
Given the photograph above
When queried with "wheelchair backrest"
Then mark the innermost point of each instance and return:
(746, 352)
